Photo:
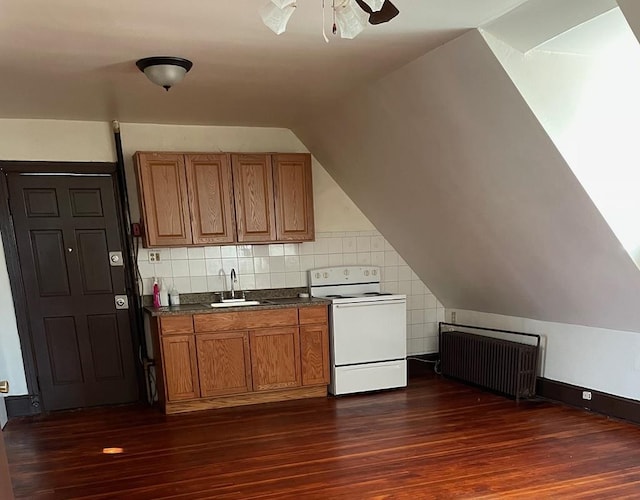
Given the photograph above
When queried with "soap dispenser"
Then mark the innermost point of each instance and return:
(156, 293)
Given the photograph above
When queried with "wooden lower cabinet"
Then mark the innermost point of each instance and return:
(240, 358)
(180, 367)
(275, 358)
(314, 352)
(224, 363)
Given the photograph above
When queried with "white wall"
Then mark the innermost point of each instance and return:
(593, 358)
(589, 109)
(11, 367)
(448, 161)
(336, 216)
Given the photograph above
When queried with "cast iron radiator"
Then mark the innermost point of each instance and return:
(496, 364)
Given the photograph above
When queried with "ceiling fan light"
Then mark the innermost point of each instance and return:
(282, 4)
(350, 18)
(374, 5)
(276, 18)
(165, 71)
(385, 14)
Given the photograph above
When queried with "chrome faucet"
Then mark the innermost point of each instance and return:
(233, 281)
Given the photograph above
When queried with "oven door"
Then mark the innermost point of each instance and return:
(365, 332)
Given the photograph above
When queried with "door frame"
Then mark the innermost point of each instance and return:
(15, 276)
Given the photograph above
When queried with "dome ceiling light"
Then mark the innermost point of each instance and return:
(349, 16)
(165, 71)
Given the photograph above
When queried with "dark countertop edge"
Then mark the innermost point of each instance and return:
(189, 308)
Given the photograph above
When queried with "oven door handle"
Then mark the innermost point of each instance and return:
(375, 303)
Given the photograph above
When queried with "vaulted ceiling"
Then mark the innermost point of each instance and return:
(447, 159)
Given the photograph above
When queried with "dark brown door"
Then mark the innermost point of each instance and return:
(65, 226)
(6, 491)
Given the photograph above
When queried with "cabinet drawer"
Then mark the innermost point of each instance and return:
(313, 315)
(176, 324)
(245, 320)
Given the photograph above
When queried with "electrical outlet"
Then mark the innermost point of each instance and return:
(154, 256)
(586, 395)
(453, 316)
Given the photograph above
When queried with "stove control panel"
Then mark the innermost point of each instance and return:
(344, 275)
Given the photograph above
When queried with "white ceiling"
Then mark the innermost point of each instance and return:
(70, 59)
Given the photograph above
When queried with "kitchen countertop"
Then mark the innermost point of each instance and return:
(271, 303)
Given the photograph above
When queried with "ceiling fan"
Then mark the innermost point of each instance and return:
(350, 16)
(380, 11)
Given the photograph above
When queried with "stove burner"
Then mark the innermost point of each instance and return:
(377, 294)
(339, 296)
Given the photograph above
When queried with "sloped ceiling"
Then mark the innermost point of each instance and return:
(449, 163)
(537, 21)
(631, 10)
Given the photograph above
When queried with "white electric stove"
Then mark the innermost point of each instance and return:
(368, 329)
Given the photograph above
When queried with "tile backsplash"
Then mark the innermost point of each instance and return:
(207, 269)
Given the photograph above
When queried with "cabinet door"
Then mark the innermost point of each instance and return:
(314, 353)
(293, 197)
(180, 367)
(164, 207)
(210, 199)
(275, 358)
(224, 363)
(253, 191)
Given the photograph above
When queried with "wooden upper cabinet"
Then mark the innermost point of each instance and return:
(210, 198)
(253, 191)
(293, 197)
(220, 199)
(162, 187)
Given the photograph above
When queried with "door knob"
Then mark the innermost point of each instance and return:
(122, 302)
(115, 259)
(4, 386)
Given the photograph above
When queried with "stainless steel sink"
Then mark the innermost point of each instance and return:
(235, 303)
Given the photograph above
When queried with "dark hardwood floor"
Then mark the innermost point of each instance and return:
(436, 439)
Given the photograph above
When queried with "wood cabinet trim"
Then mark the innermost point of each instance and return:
(215, 380)
(314, 354)
(312, 315)
(267, 365)
(293, 202)
(178, 324)
(150, 205)
(245, 320)
(296, 356)
(175, 371)
(217, 202)
(250, 208)
(266, 206)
